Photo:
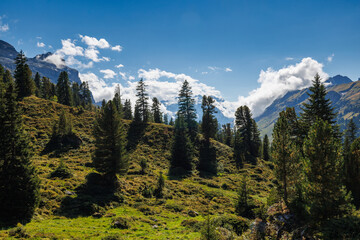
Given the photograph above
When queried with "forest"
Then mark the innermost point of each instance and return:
(70, 169)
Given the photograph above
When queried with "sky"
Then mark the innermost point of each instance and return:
(246, 52)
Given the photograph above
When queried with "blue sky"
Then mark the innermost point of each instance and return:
(198, 38)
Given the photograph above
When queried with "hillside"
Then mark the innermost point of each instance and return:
(81, 207)
(344, 95)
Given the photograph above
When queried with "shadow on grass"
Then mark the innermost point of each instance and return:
(135, 133)
(61, 143)
(90, 197)
(178, 173)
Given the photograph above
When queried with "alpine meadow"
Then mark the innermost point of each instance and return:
(204, 120)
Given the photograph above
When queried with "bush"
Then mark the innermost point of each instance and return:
(208, 231)
(147, 192)
(18, 232)
(159, 190)
(191, 223)
(121, 223)
(232, 223)
(174, 207)
(61, 171)
(144, 165)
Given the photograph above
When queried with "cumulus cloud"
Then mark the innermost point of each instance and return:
(330, 58)
(119, 66)
(228, 69)
(40, 44)
(98, 87)
(117, 48)
(275, 84)
(93, 42)
(123, 75)
(108, 73)
(93, 54)
(131, 78)
(69, 49)
(71, 61)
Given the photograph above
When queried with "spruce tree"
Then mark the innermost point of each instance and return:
(248, 141)
(209, 122)
(117, 100)
(286, 158)
(242, 204)
(85, 95)
(25, 85)
(109, 157)
(353, 172)
(75, 89)
(155, 108)
(63, 89)
(142, 101)
(171, 123)
(324, 190)
(166, 119)
(19, 184)
(37, 81)
(187, 108)
(127, 110)
(48, 88)
(266, 148)
(182, 149)
(7, 77)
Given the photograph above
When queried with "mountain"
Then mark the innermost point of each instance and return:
(37, 64)
(343, 93)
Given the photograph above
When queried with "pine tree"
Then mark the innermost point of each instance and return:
(286, 158)
(171, 123)
(318, 106)
(324, 192)
(242, 204)
(127, 110)
(142, 101)
(19, 184)
(248, 141)
(228, 135)
(209, 122)
(25, 85)
(64, 125)
(137, 114)
(85, 95)
(182, 149)
(187, 108)
(48, 88)
(350, 137)
(37, 81)
(155, 108)
(7, 77)
(117, 100)
(265, 148)
(75, 89)
(159, 190)
(109, 157)
(353, 172)
(166, 119)
(63, 89)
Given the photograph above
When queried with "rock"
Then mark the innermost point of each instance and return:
(192, 213)
(155, 226)
(67, 192)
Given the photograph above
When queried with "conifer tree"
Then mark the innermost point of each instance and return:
(159, 190)
(353, 172)
(7, 77)
(171, 123)
(324, 192)
(187, 108)
(117, 100)
(75, 89)
(182, 149)
(85, 95)
(242, 204)
(155, 108)
(25, 85)
(48, 88)
(63, 89)
(142, 101)
(227, 134)
(109, 157)
(286, 158)
(19, 184)
(209, 122)
(266, 148)
(37, 81)
(127, 110)
(248, 141)
(318, 106)
(166, 119)
(137, 114)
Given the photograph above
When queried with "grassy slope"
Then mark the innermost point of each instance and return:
(193, 193)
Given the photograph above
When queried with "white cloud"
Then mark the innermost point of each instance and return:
(4, 27)
(123, 75)
(98, 87)
(71, 61)
(40, 44)
(289, 58)
(119, 66)
(108, 73)
(330, 58)
(93, 42)
(214, 69)
(69, 48)
(275, 84)
(117, 48)
(56, 59)
(228, 69)
(131, 78)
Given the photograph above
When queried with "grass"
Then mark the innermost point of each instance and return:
(149, 218)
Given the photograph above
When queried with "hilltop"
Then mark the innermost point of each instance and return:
(73, 208)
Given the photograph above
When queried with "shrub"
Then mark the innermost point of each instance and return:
(232, 223)
(174, 207)
(18, 232)
(159, 190)
(208, 231)
(61, 171)
(147, 192)
(191, 223)
(144, 165)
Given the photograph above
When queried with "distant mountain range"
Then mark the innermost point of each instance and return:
(342, 91)
(37, 64)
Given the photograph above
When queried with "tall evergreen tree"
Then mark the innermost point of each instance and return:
(350, 136)
(182, 149)
(353, 172)
(155, 108)
(19, 184)
(324, 192)
(110, 156)
(266, 148)
(286, 158)
(187, 108)
(48, 88)
(25, 85)
(142, 101)
(7, 77)
(318, 106)
(209, 122)
(228, 135)
(127, 110)
(117, 100)
(247, 136)
(37, 81)
(63, 89)
(75, 89)
(85, 95)
(166, 119)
